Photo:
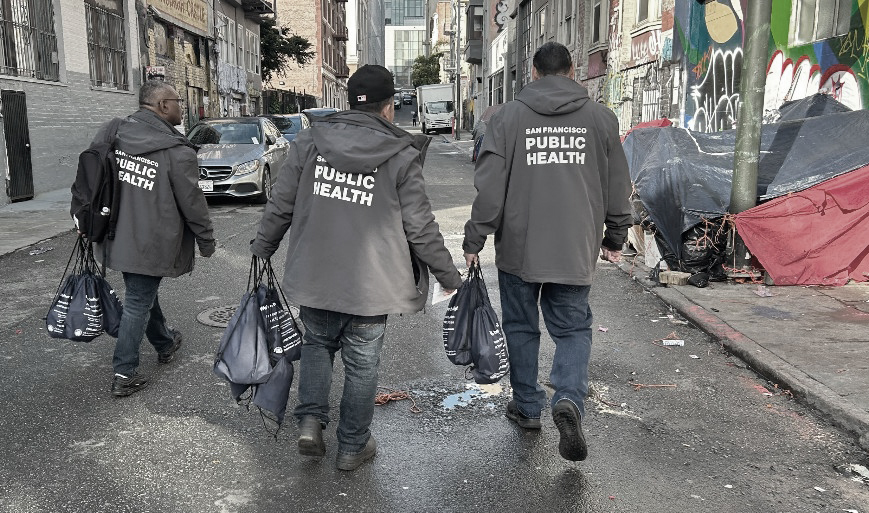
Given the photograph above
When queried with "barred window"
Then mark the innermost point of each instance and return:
(28, 44)
(107, 43)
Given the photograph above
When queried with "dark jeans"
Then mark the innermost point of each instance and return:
(360, 340)
(142, 316)
(568, 321)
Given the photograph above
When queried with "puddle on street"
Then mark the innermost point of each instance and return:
(473, 392)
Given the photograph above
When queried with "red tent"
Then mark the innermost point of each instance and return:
(654, 123)
(817, 236)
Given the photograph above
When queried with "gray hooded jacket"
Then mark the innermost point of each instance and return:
(363, 234)
(162, 210)
(550, 175)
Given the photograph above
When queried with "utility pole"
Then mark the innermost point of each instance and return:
(743, 194)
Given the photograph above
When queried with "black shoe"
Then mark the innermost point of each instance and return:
(518, 417)
(169, 355)
(123, 386)
(352, 461)
(311, 437)
(567, 419)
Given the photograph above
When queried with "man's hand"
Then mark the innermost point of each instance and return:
(611, 255)
(470, 258)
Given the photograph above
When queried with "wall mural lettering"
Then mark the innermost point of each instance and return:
(716, 96)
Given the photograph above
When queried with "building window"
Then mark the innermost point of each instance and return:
(28, 44)
(811, 21)
(567, 29)
(647, 10)
(107, 44)
(526, 53)
(240, 56)
(222, 39)
(540, 23)
(230, 41)
(599, 22)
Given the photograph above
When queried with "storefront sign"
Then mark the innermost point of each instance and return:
(192, 14)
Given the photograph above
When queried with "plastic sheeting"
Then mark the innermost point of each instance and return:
(683, 177)
(818, 104)
(819, 236)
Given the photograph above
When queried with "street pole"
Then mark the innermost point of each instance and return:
(743, 194)
(458, 106)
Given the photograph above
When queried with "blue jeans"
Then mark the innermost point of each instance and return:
(568, 321)
(360, 340)
(142, 316)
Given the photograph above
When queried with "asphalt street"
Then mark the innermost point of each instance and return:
(669, 429)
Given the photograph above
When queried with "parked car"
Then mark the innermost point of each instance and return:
(397, 101)
(320, 112)
(238, 156)
(289, 124)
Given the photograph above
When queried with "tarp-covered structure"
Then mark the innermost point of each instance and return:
(683, 177)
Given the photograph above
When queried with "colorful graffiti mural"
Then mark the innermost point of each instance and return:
(708, 40)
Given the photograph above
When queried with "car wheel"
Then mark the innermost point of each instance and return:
(267, 186)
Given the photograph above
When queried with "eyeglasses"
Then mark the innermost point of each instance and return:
(179, 100)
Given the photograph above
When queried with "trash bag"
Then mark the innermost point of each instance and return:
(84, 305)
(272, 396)
(472, 333)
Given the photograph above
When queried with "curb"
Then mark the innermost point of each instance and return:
(764, 362)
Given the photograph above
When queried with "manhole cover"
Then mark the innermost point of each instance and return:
(219, 317)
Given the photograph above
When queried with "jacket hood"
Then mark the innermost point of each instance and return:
(553, 94)
(229, 154)
(145, 132)
(358, 142)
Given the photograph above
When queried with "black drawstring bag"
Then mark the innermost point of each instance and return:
(243, 354)
(472, 333)
(272, 396)
(457, 321)
(84, 305)
(282, 331)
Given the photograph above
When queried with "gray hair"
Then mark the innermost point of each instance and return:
(152, 91)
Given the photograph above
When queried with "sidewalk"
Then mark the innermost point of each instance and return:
(813, 341)
(28, 222)
(810, 340)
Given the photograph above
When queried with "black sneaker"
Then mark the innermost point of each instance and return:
(352, 461)
(518, 417)
(566, 416)
(123, 386)
(169, 355)
(311, 437)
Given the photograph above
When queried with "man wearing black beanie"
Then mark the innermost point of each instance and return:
(362, 242)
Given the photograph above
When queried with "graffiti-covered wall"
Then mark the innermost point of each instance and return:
(809, 53)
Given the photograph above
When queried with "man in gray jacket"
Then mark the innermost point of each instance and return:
(362, 242)
(550, 175)
(160, 215)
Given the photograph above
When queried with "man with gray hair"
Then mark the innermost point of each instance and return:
(551, 174)
(161, 213)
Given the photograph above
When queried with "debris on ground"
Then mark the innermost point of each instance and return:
(638, 386)
(601, 328)
(38, 250)
(763, 291)
(395, 395)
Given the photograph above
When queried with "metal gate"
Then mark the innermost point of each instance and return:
(19, 183)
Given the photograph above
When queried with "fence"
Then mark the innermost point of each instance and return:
(286, 102)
